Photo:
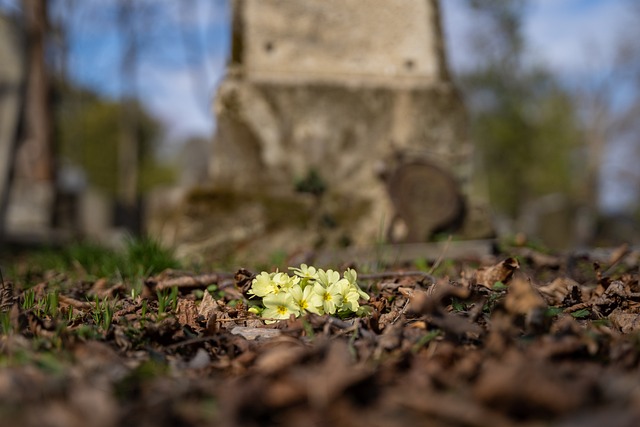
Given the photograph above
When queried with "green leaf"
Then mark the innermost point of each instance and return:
(581, 313)
(425, 339)
(553, 311)
(499, 286)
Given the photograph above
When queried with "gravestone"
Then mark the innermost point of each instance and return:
(12, 73)
(337, 124)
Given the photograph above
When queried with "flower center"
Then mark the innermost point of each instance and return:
(282, 309)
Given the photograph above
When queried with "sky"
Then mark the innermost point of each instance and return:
(569, 36)
(575, 40)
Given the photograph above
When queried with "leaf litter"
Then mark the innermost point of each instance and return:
(527, 339)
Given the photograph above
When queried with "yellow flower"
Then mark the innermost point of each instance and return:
(279, 306)
(263, 285)
(305, 272)
(352, 276)
(327, 278)
(308, 290)
(350, 297)
(283, 281)
(255, 310)
(331, 298)
(306, 300)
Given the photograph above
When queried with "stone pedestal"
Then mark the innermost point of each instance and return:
(337, 98)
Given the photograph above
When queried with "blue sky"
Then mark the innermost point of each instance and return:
(571, 37)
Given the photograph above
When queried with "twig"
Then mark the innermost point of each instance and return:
(195, 340)
(392, 274)
(618, 255)
(433, 267)
(404, 309)
(199, 281)
(441, 256)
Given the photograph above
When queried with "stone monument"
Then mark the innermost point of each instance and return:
(337, 124)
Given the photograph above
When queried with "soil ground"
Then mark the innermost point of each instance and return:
(519, 338)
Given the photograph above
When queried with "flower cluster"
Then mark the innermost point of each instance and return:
(308, 290)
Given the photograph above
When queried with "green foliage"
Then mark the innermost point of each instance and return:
(167, 299)
(5, 323)
(425, 339)
(103, 313)
(499, 286)
(581, 314)
(51, 304)
(522, 117)
(147, 253)
(29, 299)
(140, 258)
(90, 130)
(553, 311)
(457, 305)
(312, 183)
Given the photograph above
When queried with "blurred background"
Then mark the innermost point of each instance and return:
(104, 102)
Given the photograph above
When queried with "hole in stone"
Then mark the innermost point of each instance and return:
(268, 46)
(409, 64)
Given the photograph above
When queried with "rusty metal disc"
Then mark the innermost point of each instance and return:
(426, 200)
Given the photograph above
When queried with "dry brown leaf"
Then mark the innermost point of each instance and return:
(557, 290)
(255, 333)
(425, 302)
(103, 289)
(280, 357)
(187, 313)
(326, 383)
(76, 304)
(501, 272)
(433, 304)
(522, 298)
(208, 306)
(626, 323)
(519, 386)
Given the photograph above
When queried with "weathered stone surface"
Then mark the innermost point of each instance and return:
(335, 40)
(347, 93)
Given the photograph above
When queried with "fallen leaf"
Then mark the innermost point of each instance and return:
(208, 306)
(187, 313)
(626, 323)
(255, 333)
(501, 272)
